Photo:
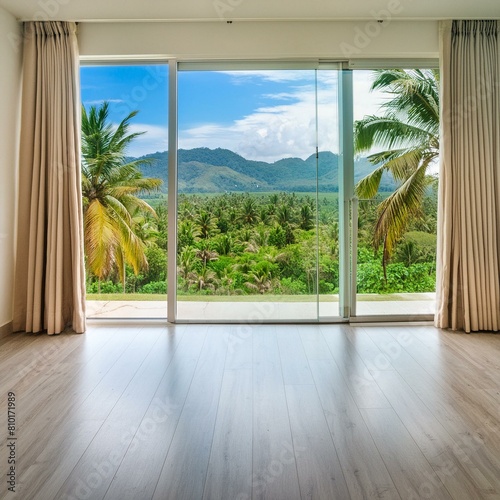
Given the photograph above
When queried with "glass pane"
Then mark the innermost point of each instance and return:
(247, 179)
(328, 193)
(396, 248)
(124, 184)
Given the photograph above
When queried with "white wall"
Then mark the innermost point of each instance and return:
(262, 40)
(10, 81)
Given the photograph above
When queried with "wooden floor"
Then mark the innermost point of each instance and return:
(253, 412)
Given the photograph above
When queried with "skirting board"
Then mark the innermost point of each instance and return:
(5, 330)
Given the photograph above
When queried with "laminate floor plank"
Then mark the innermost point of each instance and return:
(230, 466)
(28, 366)
(454, 403)
(314, 343)
(459, 412)
(70, 380)
(430, 350)
(294, 364)
(374, 358)
(494, 394)
(359, 378)
(319, 470)
(447, 367)
(184, 471)
(27, 379)
(274, 465)
(485, 355)
(240, 347)
(457, 409)
(140, 469)
(69, 377)
(41, 409)
(364, 470)
(17, 344)
(409, 469)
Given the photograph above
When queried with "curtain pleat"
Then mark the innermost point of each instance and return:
(49, 292)
(468, 257)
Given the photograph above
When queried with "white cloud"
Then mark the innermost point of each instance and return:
(270, 133)
(366, 102)
(278, 76)
(155, 139)
(98, 102)
(281, 96)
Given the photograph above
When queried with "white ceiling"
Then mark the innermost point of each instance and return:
(206, 10)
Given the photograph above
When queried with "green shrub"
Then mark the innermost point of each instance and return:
(106, 287)
(400, 278)
(290, 286)
(154, 287)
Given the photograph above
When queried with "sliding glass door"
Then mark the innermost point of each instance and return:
(257, 208)
(272, 192)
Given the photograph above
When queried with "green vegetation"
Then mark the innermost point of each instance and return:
(242, 244)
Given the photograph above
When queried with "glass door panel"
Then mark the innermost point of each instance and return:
(126, 247)
(248, 195)
(397, 210)
(328, 193)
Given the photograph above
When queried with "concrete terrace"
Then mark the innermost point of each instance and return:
(252, 309)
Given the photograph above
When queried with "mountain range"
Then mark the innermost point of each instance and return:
(204, 170)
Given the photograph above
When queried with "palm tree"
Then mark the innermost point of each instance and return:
(224, 245)
(206, 224)
(206, 254)
(261, 278)
(249, 212)
(265, 215)
(185, 261)
(408, 134)
(205, 278)
(245, 263)
(110, 185)
(186, 234)
(259, 238)
(284, 215)
(306, 217)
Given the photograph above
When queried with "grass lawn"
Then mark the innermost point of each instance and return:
(133, 297)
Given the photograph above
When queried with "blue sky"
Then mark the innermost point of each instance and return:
(262, 115)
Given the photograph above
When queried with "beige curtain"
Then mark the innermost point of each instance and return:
(468, 261)
(49, 290)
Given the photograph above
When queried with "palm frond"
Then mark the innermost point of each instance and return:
(100, 239)
(387, 132)
(397, 209)
(407, 135)
(368, 186)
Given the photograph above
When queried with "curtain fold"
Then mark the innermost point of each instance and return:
(468, 255)
(49, 292)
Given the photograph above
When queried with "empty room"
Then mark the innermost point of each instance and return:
(249, 250)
